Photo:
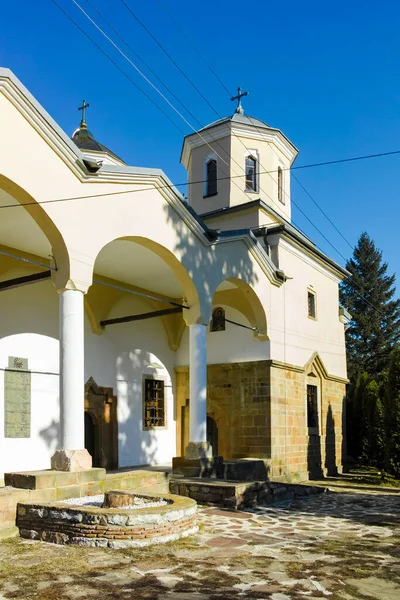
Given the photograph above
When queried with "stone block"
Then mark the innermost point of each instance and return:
(30, 480)
(69, 491)
(92, 474)
(197, 450)
(71, 460)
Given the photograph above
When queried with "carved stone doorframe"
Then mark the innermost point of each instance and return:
(101, 405)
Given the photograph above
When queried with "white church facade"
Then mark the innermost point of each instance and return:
(136, 324)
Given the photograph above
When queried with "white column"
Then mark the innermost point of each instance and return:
(198, 383)
(72, 387)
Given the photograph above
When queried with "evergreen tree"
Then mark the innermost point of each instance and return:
(368, 296)
(373, 404)
(392, 415)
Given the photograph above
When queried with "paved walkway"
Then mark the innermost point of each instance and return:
(334, 545)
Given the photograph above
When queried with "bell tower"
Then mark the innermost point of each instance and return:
(239, 171)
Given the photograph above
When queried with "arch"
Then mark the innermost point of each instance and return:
(189, 292)
(45, 223)
(240, 295)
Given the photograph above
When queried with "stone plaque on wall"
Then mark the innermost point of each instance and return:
(17, 398)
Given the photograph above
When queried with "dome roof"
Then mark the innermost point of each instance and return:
(84, 139)
(238, 118)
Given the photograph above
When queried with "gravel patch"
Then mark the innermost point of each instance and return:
(98, 500)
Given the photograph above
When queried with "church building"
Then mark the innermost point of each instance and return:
(138, 326)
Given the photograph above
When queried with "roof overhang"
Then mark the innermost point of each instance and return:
(286, 231)
(242, 130)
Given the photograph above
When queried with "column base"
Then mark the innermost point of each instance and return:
(197, 450)
(71, 460)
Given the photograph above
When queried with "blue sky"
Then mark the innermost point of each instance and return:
(326, 74)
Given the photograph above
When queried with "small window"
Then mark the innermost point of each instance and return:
(280, 186)
(312, 312)
(211, 177)
(218, 319)
(154, 403)
(312, 406)
(251, 174)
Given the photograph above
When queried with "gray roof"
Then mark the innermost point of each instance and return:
(239, 118)
(85, 140)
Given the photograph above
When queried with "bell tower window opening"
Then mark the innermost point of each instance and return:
(251, 174)
(211, 177)
(280, 186)
(218, 319)
(153, 404)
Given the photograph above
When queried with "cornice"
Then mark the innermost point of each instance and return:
(72, 157)
(232, 128)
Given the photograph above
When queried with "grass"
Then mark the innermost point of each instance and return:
(371, 476)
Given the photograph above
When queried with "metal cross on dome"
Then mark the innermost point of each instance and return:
(82, 108)
(240, 95)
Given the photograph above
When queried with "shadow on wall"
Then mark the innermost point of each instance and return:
(314, 457)
(344, 436)
(330, 444)
(51, 436)
(201, 262)
(137, 445)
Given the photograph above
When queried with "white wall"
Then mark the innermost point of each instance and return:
(122, 355)
(235, 344)
(117, 359)
(294, 336)
(29, 329)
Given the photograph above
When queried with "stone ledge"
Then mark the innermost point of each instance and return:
(238, 495)
(39, 480)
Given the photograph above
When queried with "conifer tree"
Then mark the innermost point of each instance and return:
(392, 415)
(368, 295)
(373, 404)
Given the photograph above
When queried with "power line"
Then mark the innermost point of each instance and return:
(141, 59)
(182, 184)
(117, 66)
(323, 212)
(169, 56)
(189, 39)
(152, 85)
(171, 105)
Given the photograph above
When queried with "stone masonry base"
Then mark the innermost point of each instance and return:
(60, 523)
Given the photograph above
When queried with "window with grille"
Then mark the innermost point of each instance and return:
(312, 406)
(251, 174)
(280, 186)
(211, 177)
(311, 305)
(218, 319)
(154, 403)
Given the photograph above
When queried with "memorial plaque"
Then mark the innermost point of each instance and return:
(17, 398)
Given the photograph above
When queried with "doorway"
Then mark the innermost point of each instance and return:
(212, 435)
(101, 425)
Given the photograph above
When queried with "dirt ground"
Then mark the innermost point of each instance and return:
(343, 544)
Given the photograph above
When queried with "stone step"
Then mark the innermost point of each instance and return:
(237, 495)
(40, 480)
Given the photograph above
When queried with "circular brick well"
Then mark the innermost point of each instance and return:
(117, 527)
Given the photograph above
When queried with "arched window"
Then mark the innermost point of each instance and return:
(218, 319)
(251, 174)
(211, 177)
(280, 186)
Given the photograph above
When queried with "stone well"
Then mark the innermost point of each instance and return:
(114, 526)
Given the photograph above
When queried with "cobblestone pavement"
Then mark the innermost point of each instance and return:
(335, 545)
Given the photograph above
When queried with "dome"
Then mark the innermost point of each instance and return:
(238, 118)
(84, 139)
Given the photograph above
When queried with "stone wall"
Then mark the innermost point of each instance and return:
(227, 494)
(260, 409)
(107, 527)
(238, 399)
